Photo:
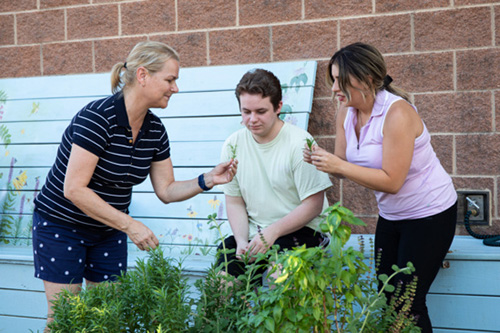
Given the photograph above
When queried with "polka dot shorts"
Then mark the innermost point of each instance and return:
(67, 254)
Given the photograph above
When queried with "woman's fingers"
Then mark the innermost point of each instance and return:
(143, 237)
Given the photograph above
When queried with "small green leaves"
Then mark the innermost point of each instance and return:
(389, 288)
(318, 289)
(269, 323)
(383, 278)
(232, 150)
(310, 142)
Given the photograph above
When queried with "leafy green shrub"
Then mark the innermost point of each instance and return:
(153, 295)
(95, 310)
(223, 297)
(320, 289)
(328, 289)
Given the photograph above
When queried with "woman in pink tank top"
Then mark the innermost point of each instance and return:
(382, 144)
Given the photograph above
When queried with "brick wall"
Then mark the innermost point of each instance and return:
(444, 52)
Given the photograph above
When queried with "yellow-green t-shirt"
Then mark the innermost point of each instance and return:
(272, 178)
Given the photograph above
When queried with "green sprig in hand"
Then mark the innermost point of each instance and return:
(232, 150)
(310, 142)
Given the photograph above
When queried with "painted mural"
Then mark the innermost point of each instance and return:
(30, 130)
(16, 204)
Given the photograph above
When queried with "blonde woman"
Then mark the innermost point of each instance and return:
(382, 144)
(81, 221)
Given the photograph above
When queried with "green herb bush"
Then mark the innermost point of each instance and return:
(321, 289)
(155, 295)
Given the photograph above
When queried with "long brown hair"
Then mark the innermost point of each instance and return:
(366, 64)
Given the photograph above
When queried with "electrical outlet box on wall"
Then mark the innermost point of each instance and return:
(479, 203)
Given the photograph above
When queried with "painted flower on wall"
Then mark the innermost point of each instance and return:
(189, 237)
(191, 213)
(35, 108)
(291, 119)
(20, 181)
(214, 203)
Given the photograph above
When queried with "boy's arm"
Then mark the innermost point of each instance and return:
(238, 220)
(298, 218)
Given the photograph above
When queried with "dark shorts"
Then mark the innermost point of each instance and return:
(65, 254)
(306, 236)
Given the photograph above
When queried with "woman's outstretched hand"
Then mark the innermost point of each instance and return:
(222, 173)
(141, 235)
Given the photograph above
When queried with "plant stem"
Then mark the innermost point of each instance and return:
(380, 293)
(336, 313)
(325, 319)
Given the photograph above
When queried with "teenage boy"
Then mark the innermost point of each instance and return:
(276, 197)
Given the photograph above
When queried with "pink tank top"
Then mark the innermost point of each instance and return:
(427, 190)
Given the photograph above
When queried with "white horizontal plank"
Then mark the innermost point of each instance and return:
(469, 248)
(17, 276)
(20, 232)
(28, 155)
(21, 324)
(190, 104)
(43, 109)
(464, 312)
(468, 277)
(183, 227)
(183, 104)
(35, 177)
(212, 78)
(16, 255)
(462, 248)
(227, 77)
(31, 304)
(39, 87)
(196, 233)
(43, 155)
(147, 205)
(215, 128)
(178, 129)
(36, 133)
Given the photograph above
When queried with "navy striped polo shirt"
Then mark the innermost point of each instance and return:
(103, 129)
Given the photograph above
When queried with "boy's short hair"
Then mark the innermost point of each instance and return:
(260, 82)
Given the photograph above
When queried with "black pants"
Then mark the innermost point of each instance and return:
(424, 242)
(236, 267)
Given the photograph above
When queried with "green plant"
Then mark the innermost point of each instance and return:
(232, 150)
(325, 289)
(3, 97)
(5, 136)
(223, 298)
(154, 294)
(93, 310)
(319, 289)
(310, 142)
(7, 221)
